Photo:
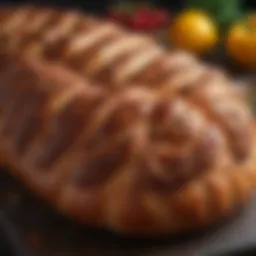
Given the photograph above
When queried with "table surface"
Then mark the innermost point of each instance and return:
(46, 233)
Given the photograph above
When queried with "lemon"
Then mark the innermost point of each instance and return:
(194, 31)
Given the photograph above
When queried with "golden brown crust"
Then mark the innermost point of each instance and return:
(133, 161)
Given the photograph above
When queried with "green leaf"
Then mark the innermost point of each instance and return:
(225, 20)
(216, 7)
(124, 6)
(225, 12)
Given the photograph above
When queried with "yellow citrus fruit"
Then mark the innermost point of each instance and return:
(241, 42)
(194, 31)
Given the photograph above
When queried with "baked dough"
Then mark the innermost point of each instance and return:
(133, 161)
(114, 130)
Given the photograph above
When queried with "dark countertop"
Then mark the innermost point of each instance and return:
(47, 233)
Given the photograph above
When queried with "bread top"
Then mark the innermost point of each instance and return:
(54, 118)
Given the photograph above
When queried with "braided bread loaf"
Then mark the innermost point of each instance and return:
(133, 161)
(101, 51)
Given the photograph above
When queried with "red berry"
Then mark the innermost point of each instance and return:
(160, 17)
(142, 20)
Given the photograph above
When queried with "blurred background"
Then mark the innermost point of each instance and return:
(104, 4)
(222, 31)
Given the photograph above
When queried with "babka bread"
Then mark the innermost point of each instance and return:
(133, 161)
(100, 50)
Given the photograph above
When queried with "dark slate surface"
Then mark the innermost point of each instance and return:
(46, 233)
